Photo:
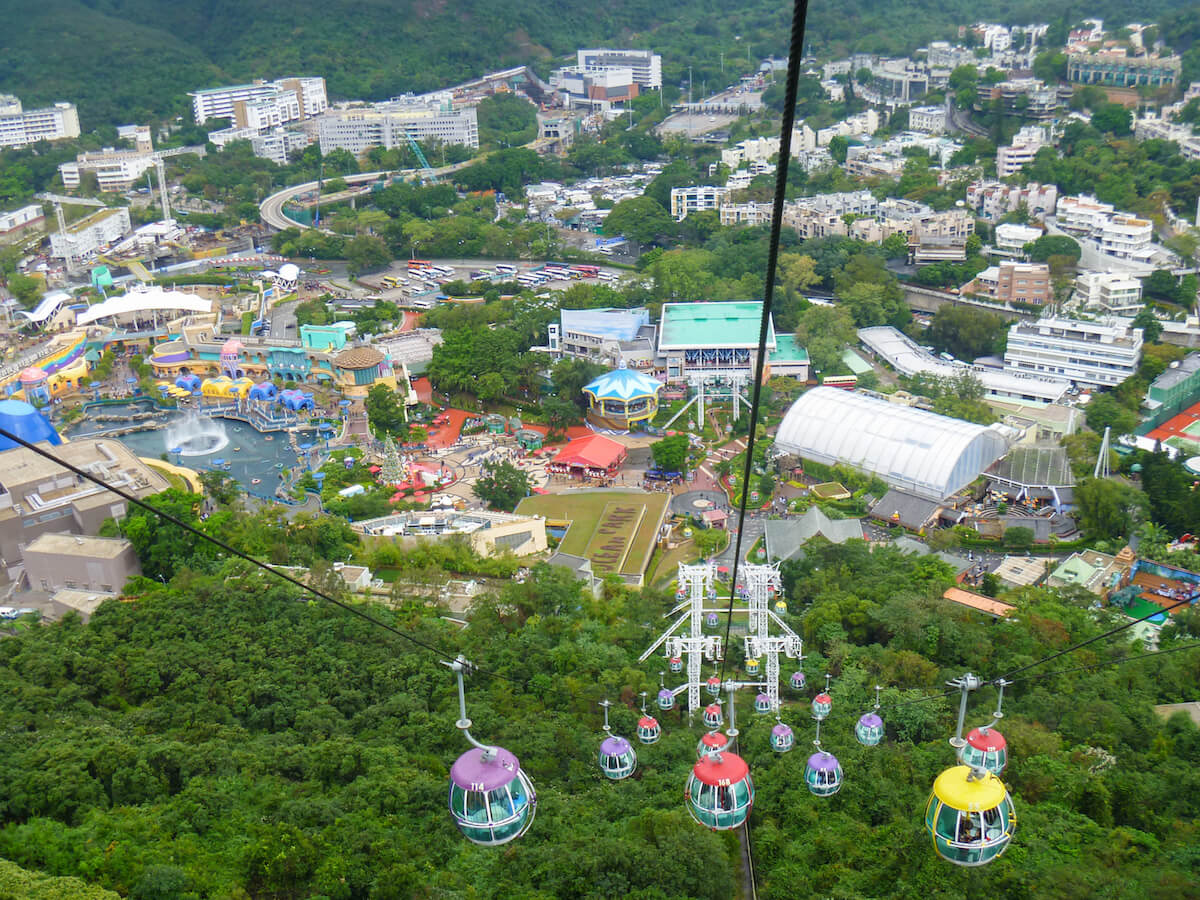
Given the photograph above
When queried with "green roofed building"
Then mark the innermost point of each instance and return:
(712, 339)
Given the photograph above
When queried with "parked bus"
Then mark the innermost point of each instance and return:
(505, 269)
(415, 265)
(586, 271)
(390, 281)
(845, 382)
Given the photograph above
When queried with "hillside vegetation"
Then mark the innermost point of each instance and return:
(129, 60)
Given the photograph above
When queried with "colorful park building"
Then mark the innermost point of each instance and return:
(622, 399)
(593, 456)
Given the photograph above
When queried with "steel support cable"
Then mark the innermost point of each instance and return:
(233, 551)
(795, 55)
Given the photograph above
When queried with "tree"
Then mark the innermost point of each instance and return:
(502, 485)
(1151, 328)
(1112, 118)
(1107, 508)
(640, 219)
(385, 411)
(839, 146)
(798, 271)
(366, 252)
(1106, 411)
(1018, 538)
(569, 377)
(26, 290)
(671, 453)
(221, 487)
(967, 332)
(1053, 245)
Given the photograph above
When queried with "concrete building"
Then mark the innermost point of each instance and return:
(904, 355)
(20, 219)
(600, 90)
(687, 200)
(899, 81)
(1151, 127)
(1092, 354)
(1021, 152)
(1110, 68)
(1031, 98)
(1175, 388)
(645, 65)
(75, 562)
(711, 339)
(751, 213)
(138, 135)
(259, 104)
(994, 200)
(489, 533)
(1012, 238)
(115, 170)
(1114, 293)
(1011, 282)
(606, 336)
(38, 496)
(20, 127)
(1115, 234)
(92, 233)
(929, 119)
(391, 124)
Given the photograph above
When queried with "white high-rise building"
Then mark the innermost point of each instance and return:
(390, 125)
(1115, 293)
(646, 66)
(20, 127)
(263, 104)
(687, 200)
(1095, 354)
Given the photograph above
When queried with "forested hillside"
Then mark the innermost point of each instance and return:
(126, 60)
(215, 738)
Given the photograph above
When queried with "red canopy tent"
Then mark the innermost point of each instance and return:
(593, 456)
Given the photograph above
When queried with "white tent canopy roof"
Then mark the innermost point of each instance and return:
(916, 451)
(154, 299)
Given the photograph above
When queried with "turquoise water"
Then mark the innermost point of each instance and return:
(249, 455)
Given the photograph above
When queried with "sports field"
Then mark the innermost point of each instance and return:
(613, 529)
(1181, 431)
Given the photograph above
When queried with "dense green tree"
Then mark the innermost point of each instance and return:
(1112, 118)
(1151, 327)
(385, 411)
(967, 332)
(502, 485)
(1106, 411)
(506, 120)
(569, 376)
(1053, 245)
(640, 219)
(671, 453)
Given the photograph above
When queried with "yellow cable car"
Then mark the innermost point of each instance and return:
(970, 816)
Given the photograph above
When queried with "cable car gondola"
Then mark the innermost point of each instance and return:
(710, 743)
(713, 686)
(869, 729)
(823, 772)
(762, 703)
(712, 716)
(666, 697)
(719, 792)
(782, 738)
(712, 619)
(492, 801)
(752, 666)
(617, 757)
(970, 816)
(985, 747)
(676, 664)
(798, 681)
(822, 703)
(648, 730)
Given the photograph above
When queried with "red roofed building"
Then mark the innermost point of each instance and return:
(594, 456)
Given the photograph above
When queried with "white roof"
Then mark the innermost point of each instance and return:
(907, 358)
(48, 307)
(144, 301)
(289, 271)
(919, 452)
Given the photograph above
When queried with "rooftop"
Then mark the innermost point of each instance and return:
(734, 323)
(787, 349)
(358, 358)
(978, 602)
(79, 545)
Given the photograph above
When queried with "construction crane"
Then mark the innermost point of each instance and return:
(416, 149)
(68, 240)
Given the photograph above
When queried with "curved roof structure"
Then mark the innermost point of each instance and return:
(151, 300)
(622, 384)
(232, 347)
(32, 375)
(47, 308)
(22, 419)
(358, 358)
(919, 452)
(289, 271)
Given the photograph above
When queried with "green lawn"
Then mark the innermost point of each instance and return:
(584, 509)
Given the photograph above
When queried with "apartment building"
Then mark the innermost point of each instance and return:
(77, 562)
(751, 213)
(38, 496)
(645, 66)
(115, 170)
(1151, 127)
(1115, 234)
(928, 119)
(1030, 98)
(1012, 238)
(20, 127)
(1114, 293)
(87, 236)
(262, 104)
(391, 124)
(899, 80)
(595, 89)
(1021, 152)
(687, 200)
(994, 200)
(1082, 214)
(1012, 282)
(19, 219)
(609, 336)
(1092, 354)
(1114, 68)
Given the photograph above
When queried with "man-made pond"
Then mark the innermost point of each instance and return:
(256, 460)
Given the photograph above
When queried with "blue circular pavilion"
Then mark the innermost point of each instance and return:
(622, 399)
(22, 419)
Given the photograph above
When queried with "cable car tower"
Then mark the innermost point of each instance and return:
(696, 587)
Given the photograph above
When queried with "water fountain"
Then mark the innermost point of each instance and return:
(195, 435)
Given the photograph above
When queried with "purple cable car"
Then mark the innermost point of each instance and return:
(823, 774)
(782, 738)
(491, 800)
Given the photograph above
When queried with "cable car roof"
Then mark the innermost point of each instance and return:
(870, 720)
(823, 761)
(722, 771)
(954, 789)
(473, 772)
(614, 746)
(989, 741)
